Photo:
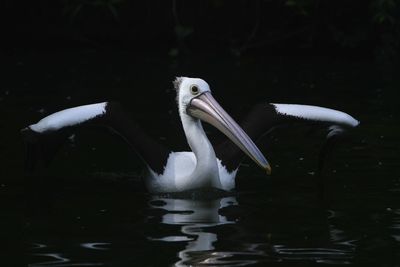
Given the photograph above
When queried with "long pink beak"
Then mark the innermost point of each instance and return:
(206, 108)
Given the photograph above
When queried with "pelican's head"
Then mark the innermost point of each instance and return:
(195, 100)
(187, 89)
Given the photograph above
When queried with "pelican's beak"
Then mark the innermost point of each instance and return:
(206, 108)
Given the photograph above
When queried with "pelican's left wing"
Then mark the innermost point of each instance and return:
(44, 138)
(263, 118)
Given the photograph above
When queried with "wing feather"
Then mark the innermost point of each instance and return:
(44, 138)
(265, 117)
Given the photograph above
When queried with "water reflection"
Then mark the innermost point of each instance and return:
(195, 218)
(96, 246)
(396, 225)
(58, 260)
(202, 230)
(217, 231)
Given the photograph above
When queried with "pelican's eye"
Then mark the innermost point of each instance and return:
(194, 89)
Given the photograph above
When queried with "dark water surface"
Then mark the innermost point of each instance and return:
(90, 207)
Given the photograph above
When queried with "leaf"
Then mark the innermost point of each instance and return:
(75, 12)
(114, 12)
(174, 52)
(182, 31)
(291, 3)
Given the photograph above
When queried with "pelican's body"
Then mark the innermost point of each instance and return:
(178, 175)
(204, 166)
(199, 168)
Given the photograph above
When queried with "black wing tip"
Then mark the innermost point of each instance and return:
(113, 109)
(29, 135)
(26, 129)
(111, 105)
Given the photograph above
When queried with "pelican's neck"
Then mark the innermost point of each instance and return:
(197, 140)
(206, 162)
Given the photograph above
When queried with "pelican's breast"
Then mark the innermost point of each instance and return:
(179, 168)
(180, 165)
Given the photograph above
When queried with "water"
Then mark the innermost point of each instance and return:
(90, 207)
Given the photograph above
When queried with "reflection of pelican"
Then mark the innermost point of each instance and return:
(194, 216)
(205, 166)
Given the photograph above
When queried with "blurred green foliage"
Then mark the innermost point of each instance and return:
(74, 8)
(236, 26)
(302, 6)
(384, 11)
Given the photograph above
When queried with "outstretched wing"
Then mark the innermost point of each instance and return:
(45, 138)
(263, 118)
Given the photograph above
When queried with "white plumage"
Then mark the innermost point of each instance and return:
(178, 174)
(69, 117)
(316, 113)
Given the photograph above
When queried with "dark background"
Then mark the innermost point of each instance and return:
(57, 54)
(339, 54)
(360, 28)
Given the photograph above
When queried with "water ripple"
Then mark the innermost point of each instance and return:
(95, 246)
(319, 255)
(57, 260)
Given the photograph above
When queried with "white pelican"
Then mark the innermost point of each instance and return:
(169, 171)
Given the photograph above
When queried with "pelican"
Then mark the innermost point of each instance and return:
(204, 166)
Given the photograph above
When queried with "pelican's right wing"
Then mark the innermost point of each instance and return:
(44, 138)
(265, 117)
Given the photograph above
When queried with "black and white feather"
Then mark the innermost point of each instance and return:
(44, 138)
(265, 117)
